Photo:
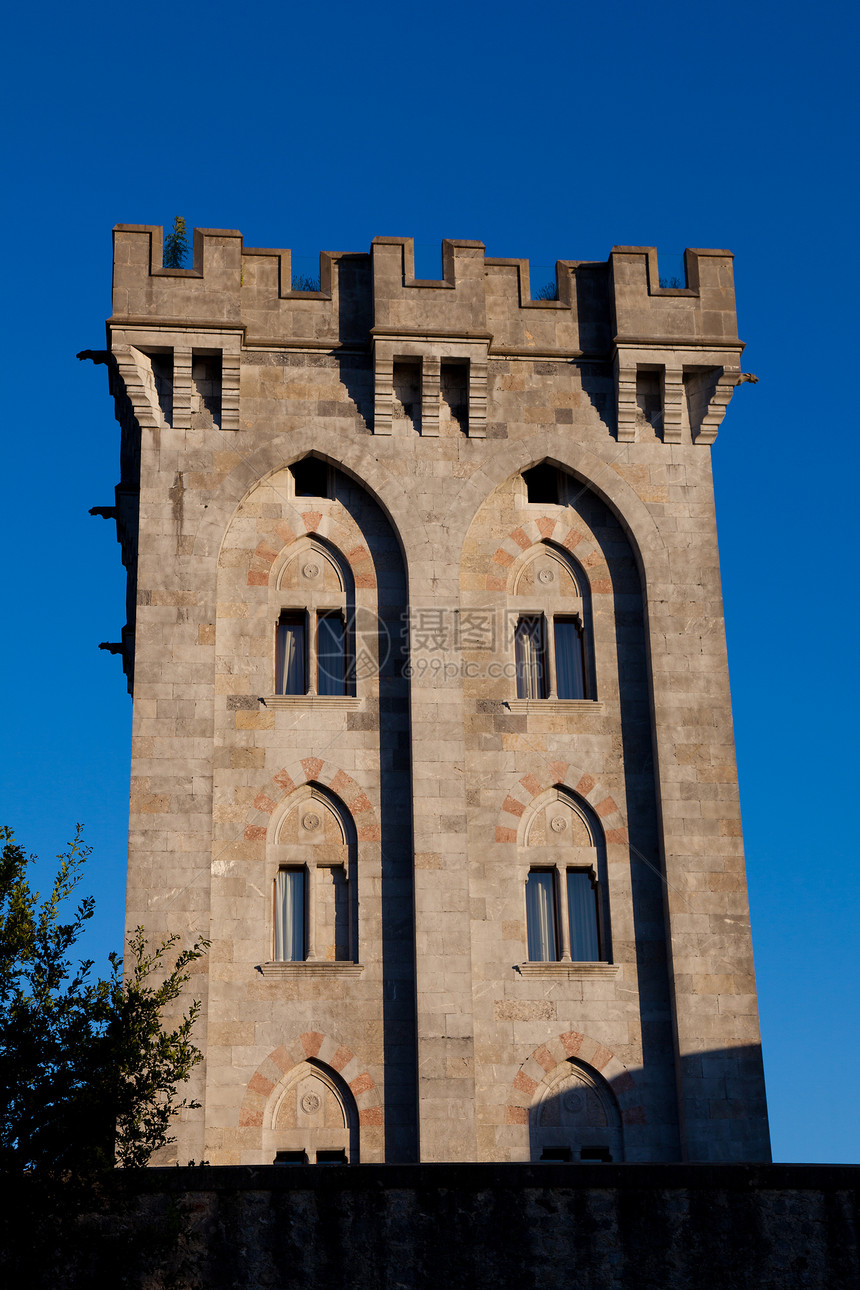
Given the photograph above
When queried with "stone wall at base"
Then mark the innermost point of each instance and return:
(523, 1226)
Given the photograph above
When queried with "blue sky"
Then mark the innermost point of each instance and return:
(551, 131)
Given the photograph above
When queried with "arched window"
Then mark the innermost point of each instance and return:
(314, 640)
(316, 1118)
(575, 1117)
(550, 612)
(562, 848)
(315, 906)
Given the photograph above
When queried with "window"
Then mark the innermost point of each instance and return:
(331, 1157)
(582, 915)
(290, 916)
(569, 933)
(569, 659)
(550, 605)
(291, 1158)
(530, 650)
(311, 478)
(556, 673)
(541, 916)
(331, 654)
(542, 484)
(329, 669)
(291, 655)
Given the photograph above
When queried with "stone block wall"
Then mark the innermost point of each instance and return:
(608, 1227)
(428, 791)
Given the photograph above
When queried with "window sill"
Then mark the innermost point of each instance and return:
(311, 967)
(312, 701)
(555, 705)
(573, 971)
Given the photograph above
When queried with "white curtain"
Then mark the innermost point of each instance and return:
(290, 916)
(530, 658)
(331, 655)
(540, 917)
(290, 662)
(569, 671)
(582, 910)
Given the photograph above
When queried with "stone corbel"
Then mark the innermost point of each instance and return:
(181, 389)
(478, 398)
(625, 389)
(709, 392)
(673, 403)
(135, 370)
(383, 392)
(431, 368)
(430, 352)
(230, 364)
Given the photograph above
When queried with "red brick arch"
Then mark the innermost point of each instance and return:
(550, 1055)
(545, 528)
(312, 770)
(271, 1075)
(560, 774)
(311, 524)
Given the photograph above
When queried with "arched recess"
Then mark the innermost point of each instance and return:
(268, 1116)
(267, 749)
(602, 1110)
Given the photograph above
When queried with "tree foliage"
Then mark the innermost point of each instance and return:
(176, 245)
(88, 1071)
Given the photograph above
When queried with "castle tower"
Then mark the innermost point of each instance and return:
(432, 728)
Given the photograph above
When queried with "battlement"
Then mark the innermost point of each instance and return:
(599, 304)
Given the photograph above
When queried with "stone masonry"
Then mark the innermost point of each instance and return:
(436, 468)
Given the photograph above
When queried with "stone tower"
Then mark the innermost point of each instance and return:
(432, 728)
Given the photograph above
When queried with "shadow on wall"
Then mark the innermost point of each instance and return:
(577, 1116)
(392, 721)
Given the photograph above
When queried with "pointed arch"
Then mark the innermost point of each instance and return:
(550, 1061)
(265, 1089)
(559, 533)
(325, 775)
(569, 567)
(560, 775)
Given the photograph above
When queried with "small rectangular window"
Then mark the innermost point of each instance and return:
(331, 654)
(582, 912)
(530, 658)
(291, 1158)
(542, 484)
(290, 916)
(311, 477)
(557, 1153)
(598, 1155)
(569, 659)
(540, 916)
(291, 655)
(331, 1157)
